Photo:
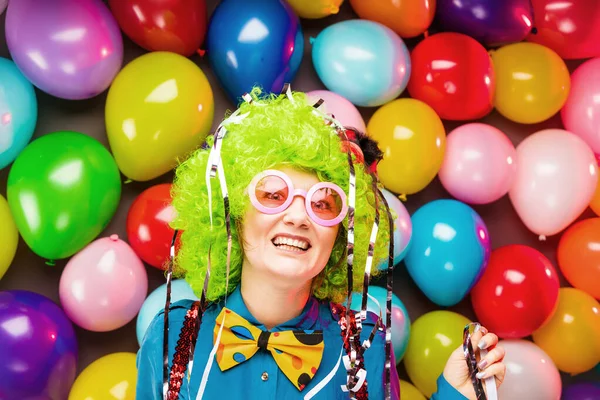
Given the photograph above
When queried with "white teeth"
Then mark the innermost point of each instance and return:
(281, 240)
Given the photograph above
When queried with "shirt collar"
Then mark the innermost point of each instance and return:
(306, 320)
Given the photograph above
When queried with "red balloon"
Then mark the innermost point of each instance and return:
(148, 230)
(517, 293)
(569, 27)
(178, 26)
(454, 74)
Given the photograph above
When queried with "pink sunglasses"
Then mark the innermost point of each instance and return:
(272, 191)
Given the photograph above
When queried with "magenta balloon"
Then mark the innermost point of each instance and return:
(71, 49)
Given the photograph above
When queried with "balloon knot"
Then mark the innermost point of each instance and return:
(201, 52)
(127, 181)
(542, 237)
(402, 197)
(311, 40)
(114, 237)
(426, 34)
(534, 30)
(51, 263)
(334, 9)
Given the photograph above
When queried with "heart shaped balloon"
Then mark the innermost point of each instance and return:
(159, 108)
(63, 190)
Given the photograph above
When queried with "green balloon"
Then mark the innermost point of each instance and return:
(63, 190)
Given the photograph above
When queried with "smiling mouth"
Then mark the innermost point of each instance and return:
(290, 245)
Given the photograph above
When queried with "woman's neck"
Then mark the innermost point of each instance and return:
(271, 302)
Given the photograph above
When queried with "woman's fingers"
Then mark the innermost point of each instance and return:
(477, 336)
(495, 355)
(497, 370)
(488, 340)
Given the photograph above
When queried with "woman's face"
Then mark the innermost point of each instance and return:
(290, 245)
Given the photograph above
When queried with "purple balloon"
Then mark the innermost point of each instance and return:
(581, 391)
(38, 347)
(491, 22)
(71, 49)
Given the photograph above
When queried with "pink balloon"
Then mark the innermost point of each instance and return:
(103, 287)
(342, 109)
(479, 164)
(555, 181)
(581, 112)
(402, 229)
(530, 372)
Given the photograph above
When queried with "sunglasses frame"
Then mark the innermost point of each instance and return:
(293, 192)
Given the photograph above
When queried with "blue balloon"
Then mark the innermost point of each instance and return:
(491, 22)
(18, 111)
(449, 252)
(363, 61)
(252, 43)
(155, 303)
(400, 318)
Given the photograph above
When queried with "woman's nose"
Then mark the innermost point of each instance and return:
(296, 213)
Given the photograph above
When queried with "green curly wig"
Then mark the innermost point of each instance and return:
(277, 132)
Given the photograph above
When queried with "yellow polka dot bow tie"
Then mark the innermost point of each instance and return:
(297, 353)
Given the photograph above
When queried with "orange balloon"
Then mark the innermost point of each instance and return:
(408, 18)
(579, 255)
(595, 203)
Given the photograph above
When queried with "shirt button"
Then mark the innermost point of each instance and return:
(264, 376)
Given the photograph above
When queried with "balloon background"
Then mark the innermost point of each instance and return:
(504, 226)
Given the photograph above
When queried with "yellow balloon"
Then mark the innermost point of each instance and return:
(409, 392)
(595, 203)
(434, 336)
(315, 9)
(9, 237)
(571, 337)
(159, 108)
(413, 140)
(532, 82)
(112, 377)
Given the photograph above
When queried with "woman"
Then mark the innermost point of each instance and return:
(265, 213)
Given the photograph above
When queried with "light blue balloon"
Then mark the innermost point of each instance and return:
(400, 318)
(18, 111)
(449, 251)
(363, 61)
(155, 303)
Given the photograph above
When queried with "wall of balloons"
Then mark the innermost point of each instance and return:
(470, 58)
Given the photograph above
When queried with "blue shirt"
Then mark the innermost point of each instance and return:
(247, 380)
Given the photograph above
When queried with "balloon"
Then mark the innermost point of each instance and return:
(568, 27)
(581, 113)
(400, 317)
(254, 43)
(578, 256)
(99, 380)
(555, 181)
(454, 75)
(148, 231)
(409, 392)
(69, 49)
(159, 108)
(402, 229)
(530, 373)
(407, 18)
(9, 237)
(3, 4)
(532, 82)
(102, 287)
(155, 302)
(518, 292)
(364, 61)
(595, 203)
(449, 251)
(38, 347)
(491, 22)
(18, 111)
(413, 139)
(434, 336)
(315, 9)
(581, 391)
(479, 165)
(63, 190)
(342, 109)
(177, 26)
(572, 335)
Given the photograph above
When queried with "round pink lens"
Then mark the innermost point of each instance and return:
(326, 203)
(271, 191)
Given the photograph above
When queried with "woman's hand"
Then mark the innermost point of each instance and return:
(456, 371)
